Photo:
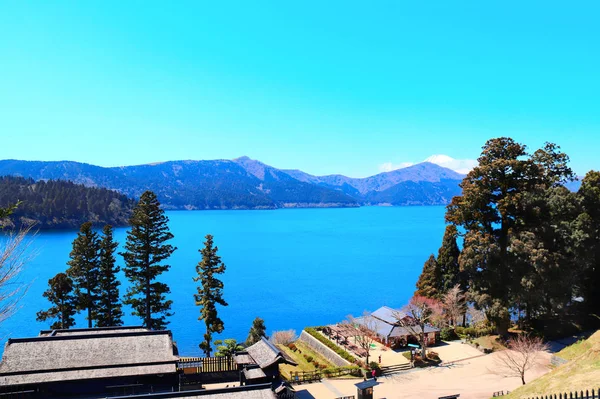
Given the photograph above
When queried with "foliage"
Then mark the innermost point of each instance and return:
(257, 331)
(454, 304)
(284, 337)
(364, 331)
(146, 249)
(429, 284)
(108, 309)
(345, 355)
(84, 268)
(227, 348)
(448, 334)
(57, 204)
(60, 295)
(210, 291)
(447, 262)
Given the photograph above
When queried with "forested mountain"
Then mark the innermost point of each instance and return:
(61, 204)
(244, 183)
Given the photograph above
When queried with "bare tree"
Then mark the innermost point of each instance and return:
(283, 337)
(455, 305)
(415, 316)
(522, 354)
(476, 316)
(14, 254)
(363, 330)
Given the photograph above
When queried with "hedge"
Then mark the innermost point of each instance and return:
(345, 355)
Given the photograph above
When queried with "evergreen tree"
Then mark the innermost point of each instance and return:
(447, 261)
(429, 283)
(60, 294)
(210, 292)
(227, 348)
(84, 267)
(257, 331)
(145, 249)
(108, 312)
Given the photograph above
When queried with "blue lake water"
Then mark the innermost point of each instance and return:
(291, 267)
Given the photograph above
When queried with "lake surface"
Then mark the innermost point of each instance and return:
(291, 267)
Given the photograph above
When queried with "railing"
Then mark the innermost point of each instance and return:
(593, 394)
(199, 365)
(500, 393)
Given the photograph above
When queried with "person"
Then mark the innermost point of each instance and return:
(379, 359)
(373, 374)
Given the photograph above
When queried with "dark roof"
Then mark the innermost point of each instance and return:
(399, 331)
(86, 354)
(386, 314)
(253, 374)
(265, 354)
(366, 384)
(257, 391)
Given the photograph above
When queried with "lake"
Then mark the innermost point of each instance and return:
(291, 267)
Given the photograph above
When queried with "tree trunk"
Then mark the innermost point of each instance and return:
(523, 378)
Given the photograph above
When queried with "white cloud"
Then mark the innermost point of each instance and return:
(463, 166)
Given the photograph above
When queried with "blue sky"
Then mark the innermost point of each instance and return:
(326, 87)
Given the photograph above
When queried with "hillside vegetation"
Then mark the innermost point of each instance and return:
(580, 373)
(61, 204)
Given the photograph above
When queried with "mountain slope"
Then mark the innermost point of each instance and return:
(244, 183)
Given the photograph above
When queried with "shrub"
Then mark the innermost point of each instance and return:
(345, 355)
(433, 355)
(460, 331)
(316, 364)
(308, 358)
(448, 334)
(374, 366)
(322, 366)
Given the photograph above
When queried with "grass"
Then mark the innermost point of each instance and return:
(303, 364)
(581, 373)
(491, 342)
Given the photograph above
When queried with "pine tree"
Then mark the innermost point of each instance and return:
(448, 260)
(257, 331)
(210, 292)
(60, 294)
(429, 282)
(108, 312)
(145, 249)
(83, 269)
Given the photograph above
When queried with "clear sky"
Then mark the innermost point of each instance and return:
(325, 86)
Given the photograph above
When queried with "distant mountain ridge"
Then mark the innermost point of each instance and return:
(244, 183)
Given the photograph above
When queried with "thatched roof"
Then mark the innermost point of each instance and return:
(255, 373)
(258, 391)
(85, 354)
(265, 354)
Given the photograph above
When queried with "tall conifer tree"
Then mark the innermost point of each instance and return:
(108, 312)
(145, 250)
(257, 331)
(210, 292)
(60, 294)
(448, 261)
(429, 283)
(84, 267)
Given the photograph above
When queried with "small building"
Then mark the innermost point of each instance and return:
(108, 361)
(260, 362)
(260, 391)
(393, 334)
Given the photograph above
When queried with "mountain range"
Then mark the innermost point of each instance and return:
(244, 183)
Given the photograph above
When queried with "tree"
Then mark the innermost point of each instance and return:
(210, 292)
(429, 283)
(15, 253)
(522, 354)
(416, 315)
(146, 249)
(447, 261)
(454, 303)
(284, 337)
(108, 311)
(84, 268)
(227, 348)
(257, 331)
(363, 330)
(61, 296)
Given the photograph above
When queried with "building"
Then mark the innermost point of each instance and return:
(393, 334)
(259, 363)
(260, 391)
(112, 361)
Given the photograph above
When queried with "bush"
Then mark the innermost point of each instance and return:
(322, 366)
(374, 366)
(448, 334)
(308, 358)
(345, 355)
(316, 364)
(433, 355)
(293, 347)
(460, 331)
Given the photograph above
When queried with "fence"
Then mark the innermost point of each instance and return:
(199, 365)
(500, 393)
(593, 394)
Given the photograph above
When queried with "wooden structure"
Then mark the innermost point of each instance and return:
(364, 390)
(97, 361)
(260, 362)
(587, 394)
